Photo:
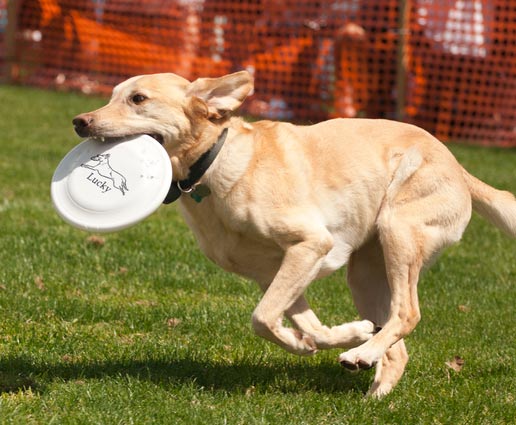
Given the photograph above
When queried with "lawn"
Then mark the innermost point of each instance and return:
(138, 327)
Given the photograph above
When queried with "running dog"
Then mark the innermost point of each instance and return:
(104, 169)
(286, 204)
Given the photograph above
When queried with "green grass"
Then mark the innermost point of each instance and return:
(143, 329)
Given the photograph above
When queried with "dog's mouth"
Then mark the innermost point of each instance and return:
(158, 137)
(87, 125)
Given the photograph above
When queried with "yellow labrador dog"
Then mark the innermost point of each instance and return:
(284, 205)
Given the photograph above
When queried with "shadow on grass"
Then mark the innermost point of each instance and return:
(22, 374)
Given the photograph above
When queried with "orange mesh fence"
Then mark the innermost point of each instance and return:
(446, 65)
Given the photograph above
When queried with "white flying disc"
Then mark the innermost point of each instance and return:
(108, 186)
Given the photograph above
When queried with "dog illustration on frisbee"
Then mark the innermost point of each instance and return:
(104, 169)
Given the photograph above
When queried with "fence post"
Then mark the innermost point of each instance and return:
(401, 66)
(13, 7)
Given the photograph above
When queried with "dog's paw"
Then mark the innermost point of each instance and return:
(357, 359)
(355, 367)
(352, 334)
(379, 391)
(366, 329)
(305, 345)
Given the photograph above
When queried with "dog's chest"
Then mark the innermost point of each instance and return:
(231, 243)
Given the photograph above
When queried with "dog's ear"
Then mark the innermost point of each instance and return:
(224, 94)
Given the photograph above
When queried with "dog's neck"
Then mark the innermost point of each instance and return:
(196, 170)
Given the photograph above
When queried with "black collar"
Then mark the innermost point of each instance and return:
(197, 170)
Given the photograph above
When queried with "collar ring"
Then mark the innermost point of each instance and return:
(187, 190)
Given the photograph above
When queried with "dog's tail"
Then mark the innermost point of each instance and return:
(497, 206)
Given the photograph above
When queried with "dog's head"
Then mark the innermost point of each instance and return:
(165, 106)
(101, 157)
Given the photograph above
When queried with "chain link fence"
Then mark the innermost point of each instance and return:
(448, 66)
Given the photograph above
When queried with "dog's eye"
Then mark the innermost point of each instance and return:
(138, 98)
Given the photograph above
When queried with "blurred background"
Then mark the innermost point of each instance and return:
(448, 66)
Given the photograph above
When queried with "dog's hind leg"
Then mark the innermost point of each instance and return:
(369, 286)
(422, 213)
(403, 262)
(411, 235)
(347, 335)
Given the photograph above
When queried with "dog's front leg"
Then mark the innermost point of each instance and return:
(300, 266)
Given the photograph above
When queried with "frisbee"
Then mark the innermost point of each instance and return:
(108, 186)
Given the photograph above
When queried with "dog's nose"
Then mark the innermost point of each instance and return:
(82, 124)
